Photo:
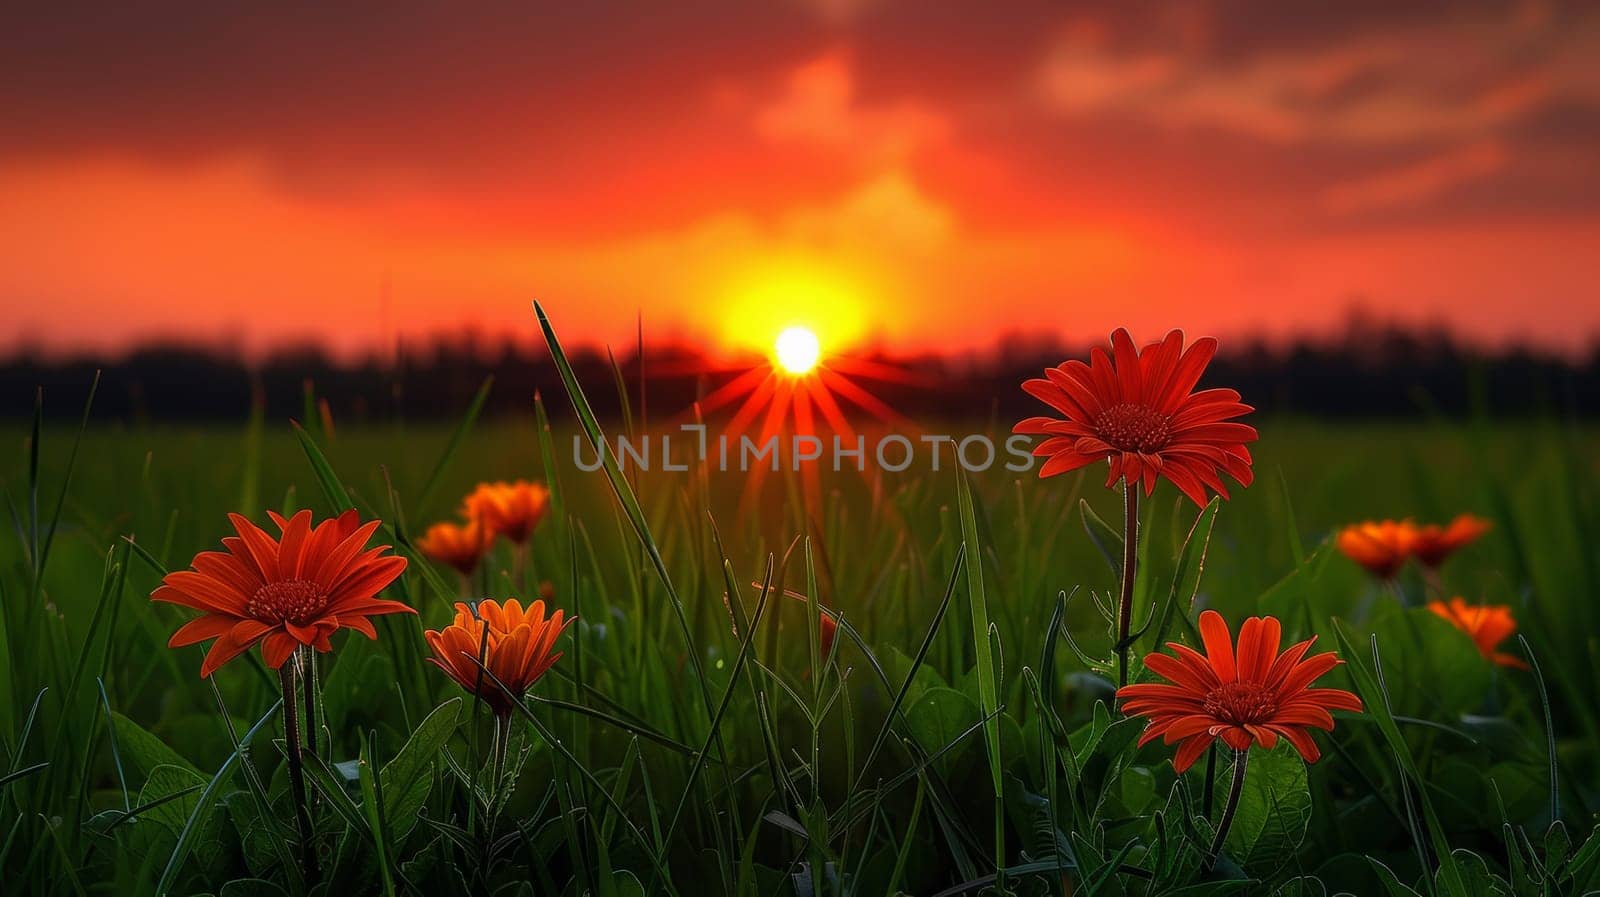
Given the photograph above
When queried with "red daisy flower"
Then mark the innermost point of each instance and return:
(283, 593)
(1432, 543)
(1487, 625)
(1250, 696)
(1137, 408)
(1381, 546)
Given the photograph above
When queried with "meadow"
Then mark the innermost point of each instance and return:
(703, 734)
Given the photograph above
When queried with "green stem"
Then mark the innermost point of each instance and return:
(1211, 778)
(1241, 759)
(1433, 584)
(297, 777)
(308, 688)
(502, 737)
(1130, 560)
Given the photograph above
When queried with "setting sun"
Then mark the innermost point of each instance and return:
(797, 350)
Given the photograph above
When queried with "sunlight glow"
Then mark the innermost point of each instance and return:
(766, 294)
(797, 350)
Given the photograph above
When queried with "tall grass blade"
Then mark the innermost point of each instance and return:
(185, 844)
(456, 438)
(1374, 695)
(988, 688)
(624, 494)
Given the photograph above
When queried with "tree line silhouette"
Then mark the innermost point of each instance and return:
(1369, 370)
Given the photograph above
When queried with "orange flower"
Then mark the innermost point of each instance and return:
(1252, 696)
(283, 593)
(1381, 546)
(461, 547)
(517, 649)
(1487, 625)
(1138, 409)
(508, 509)
(1431, 544)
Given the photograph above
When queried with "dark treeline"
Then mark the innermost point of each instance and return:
(1369, 370)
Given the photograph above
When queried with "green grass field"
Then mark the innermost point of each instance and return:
(696, 756)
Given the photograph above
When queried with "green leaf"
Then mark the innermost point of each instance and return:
(144, 750)
(939, 717)
(913, 682)
(1391, 883)
(252, 887)
(1105, 537)
(1302, 886)
(159, 787)
(254, 834)
(1370, 685)
(201, 825)
(1479, 881)
(338, 496)
(456, 438)
(407, 778)
(988, 679)
(1274, 810)
(625, 497)
(1190, 564)
(1445, 675)
(372, 804)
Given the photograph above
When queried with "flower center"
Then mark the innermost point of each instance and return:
(1241, 703)
(1132, 428)
(286, 601)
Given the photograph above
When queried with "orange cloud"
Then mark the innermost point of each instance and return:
(1395, 86)
(819, 106)
(943, 180)
(1414, 184)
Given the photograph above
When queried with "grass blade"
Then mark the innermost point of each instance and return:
(988, 688)
(1374, 694)
(456, 438)
(180, 852)
(624, 494)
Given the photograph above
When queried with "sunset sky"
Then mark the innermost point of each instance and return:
(930, 176)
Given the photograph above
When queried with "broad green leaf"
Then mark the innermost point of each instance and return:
(1371, 686)
(1274, 810)
(1391, 883)
(939, 717)
(407, 778)
(1444, 674)
(163, 782)
(1479, 881)
(252, 887)
(145, 751)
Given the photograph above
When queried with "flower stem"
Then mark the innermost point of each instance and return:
(1130, 560)
(1211, 778)
(502, 736)
(1430, 579)
(519, 564)
(308, 674)
(297, 778)
(1240, 760)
